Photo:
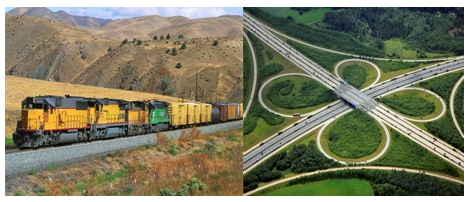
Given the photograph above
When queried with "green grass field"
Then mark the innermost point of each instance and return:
(263, 131)
(335, 187)
(419, 94)
(297, 81)
(371, 71)
(307, 17)
(398, 47)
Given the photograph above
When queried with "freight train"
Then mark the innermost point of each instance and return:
(51, 120)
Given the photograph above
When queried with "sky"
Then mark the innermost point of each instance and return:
(130, 12)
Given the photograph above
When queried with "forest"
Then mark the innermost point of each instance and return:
(392, 183)
(300, 159)
(435, 30)
(326, 38)
(407, 105)
(311, 93)
(355, 74)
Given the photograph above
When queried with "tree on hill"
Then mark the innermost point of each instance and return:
(165, 85)
(139, 42)
(168, 36)
(155, 37)
(215, 43)
(180, 36)
(134, 40)
(161, 37)
(178, 65)
(174, 51)
(124, 41)
(183, 46)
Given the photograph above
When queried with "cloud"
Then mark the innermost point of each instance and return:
(121, 12)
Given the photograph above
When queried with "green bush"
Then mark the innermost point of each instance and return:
(32, 171)
(172, 151)
(269, 55)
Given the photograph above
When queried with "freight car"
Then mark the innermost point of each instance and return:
(51, 120)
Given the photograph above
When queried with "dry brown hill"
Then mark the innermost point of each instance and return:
(146, 27)
(51, 50)
(62, 16)
(139, 67)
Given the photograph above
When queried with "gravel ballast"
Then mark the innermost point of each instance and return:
(22, 162)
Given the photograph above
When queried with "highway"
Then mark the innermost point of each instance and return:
(363, 100)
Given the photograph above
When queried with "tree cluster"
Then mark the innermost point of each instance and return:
(408, 105)
(311, 93)
(355, 135)
(355, 74)
(269, 55)
(300, 159)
